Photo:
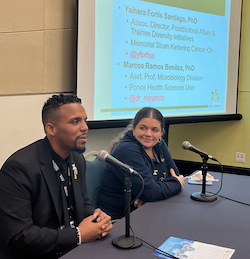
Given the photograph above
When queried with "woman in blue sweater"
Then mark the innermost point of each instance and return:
(144, 150)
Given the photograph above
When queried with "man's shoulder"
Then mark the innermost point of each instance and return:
(27, 153)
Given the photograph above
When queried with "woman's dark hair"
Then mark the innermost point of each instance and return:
(148, 112)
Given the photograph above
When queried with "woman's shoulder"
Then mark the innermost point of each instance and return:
(126, 147)
(127, 144)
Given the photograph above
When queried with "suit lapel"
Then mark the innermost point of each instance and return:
(49, 173)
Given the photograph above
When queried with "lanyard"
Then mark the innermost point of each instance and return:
(66, 192)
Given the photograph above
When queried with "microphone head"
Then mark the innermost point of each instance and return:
(102, 155)
(186, 145)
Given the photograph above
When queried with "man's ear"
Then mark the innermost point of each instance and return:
(50, 129)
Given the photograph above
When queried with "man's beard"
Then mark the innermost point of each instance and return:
(79, 150)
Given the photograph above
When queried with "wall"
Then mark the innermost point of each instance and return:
(37, 46)
(37, 49)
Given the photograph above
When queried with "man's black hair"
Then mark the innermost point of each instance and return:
(55, 102)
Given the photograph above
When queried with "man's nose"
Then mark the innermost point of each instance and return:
(84, 126)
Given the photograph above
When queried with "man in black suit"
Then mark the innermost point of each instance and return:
(44, 207)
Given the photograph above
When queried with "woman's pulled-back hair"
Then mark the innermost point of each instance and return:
(148, 112)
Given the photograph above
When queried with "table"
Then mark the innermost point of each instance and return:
(222, 222)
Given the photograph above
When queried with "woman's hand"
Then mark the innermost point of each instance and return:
(180, 177)
(138, 203)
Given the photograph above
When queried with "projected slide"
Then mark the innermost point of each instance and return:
(164, 56)
(168, 54)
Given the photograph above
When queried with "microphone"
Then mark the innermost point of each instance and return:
(104, 156)
(187, 145)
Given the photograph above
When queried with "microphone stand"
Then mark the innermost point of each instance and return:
(126, 241)
(203, 195)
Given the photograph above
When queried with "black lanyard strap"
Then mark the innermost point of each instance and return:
(66, 193)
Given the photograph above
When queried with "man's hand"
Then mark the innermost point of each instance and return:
(95, 226)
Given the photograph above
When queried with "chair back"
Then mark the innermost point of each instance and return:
(94, 170)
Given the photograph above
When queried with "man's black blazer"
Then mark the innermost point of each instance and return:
(29, 203)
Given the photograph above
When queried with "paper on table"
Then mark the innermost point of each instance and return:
(190, 181)
(182, 248)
